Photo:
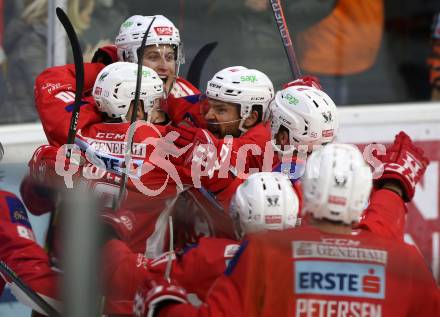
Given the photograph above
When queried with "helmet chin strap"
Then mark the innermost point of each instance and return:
(232, 121)
(240, 127)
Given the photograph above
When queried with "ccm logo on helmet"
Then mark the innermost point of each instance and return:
(213, 85)
(164, 30)
(340, 279)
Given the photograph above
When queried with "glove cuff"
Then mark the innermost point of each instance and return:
(407, 189)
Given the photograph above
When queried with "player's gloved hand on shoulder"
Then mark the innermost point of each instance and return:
(156, 294)
(310, 81)
(404, 164)
(43, 164)
(200, 141)
(106, 55)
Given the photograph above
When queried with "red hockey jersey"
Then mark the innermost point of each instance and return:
(55, 90)
(305, 272)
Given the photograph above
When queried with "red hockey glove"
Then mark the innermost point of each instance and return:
(404, 163)
(310, 81)
(48, 165)
(121, 221)
(106, 55)
(42, 164)
(195, 137)
(156, 294)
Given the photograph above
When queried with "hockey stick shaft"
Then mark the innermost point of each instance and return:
(131, 130)
(40, 302)
(169, 266)
(195, 69)
(79, 82)
(79, 72)
(285, 37)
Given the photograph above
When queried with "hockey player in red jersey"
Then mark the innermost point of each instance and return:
(321, 269)
(236, 100)
(154, 184)
(55, 87)
(19, 250)
(275, 207)
(305, 117)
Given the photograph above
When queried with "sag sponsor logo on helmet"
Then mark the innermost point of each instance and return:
(127, 24)
(249, 78)
(145, 73)
(291, 99)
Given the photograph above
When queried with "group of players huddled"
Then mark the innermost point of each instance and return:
(271, 216)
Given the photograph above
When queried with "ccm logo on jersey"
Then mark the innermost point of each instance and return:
(340, 279)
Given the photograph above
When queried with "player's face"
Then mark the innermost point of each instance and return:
(162, 59)
(157, 115)
(223, 118)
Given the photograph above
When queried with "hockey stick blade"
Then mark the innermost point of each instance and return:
(31, 294)
(195, 69)
(285, 37)
(79, 71)
(131, 129)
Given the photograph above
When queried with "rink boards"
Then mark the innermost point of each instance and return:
(361, 125)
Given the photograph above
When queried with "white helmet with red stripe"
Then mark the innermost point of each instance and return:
(307, 113)
(265, 201)
(162, 31)
(337, 183)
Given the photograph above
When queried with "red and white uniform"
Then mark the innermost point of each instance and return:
(196, 270)
(55, 93)
(20, 252)
(304, 272)
(144, 218)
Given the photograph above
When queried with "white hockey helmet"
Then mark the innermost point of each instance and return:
(307, 113)
(242, 86)
(115, 88)
(162, 31)
(265, 201)
(337, 183)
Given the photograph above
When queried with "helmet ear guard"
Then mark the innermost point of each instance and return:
(337, 183)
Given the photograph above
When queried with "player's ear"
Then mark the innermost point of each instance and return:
(251, 120)
(282, 137)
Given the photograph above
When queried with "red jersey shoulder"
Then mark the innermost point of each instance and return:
(183, 88)
(13, 210)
